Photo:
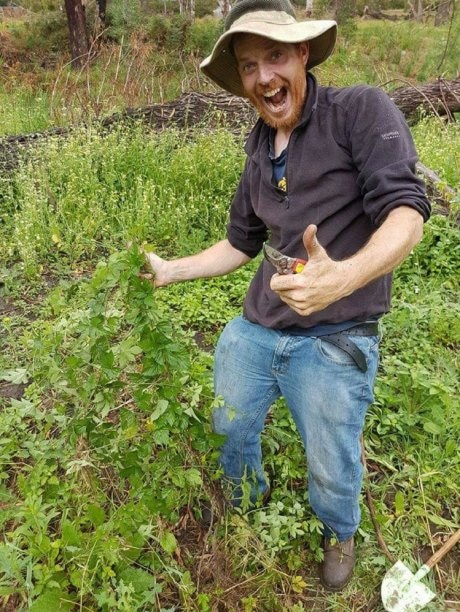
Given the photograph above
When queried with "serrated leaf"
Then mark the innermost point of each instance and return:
(298, 584)
(161, 436)
(159, 409)
(18, 376)
(70, 535)
(96, 514)
(57, 601)
(193, 477)
(139, 579)
(168, 542)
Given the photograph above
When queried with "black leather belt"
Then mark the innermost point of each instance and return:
(342, 340)
(363, 329)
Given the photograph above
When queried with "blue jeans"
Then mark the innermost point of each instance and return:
(327, 395)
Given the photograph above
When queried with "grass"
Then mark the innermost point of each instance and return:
(106, 394)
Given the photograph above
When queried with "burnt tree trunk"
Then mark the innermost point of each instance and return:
(76, 19)
(102, 11)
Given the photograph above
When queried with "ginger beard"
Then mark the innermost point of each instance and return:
(283, 109)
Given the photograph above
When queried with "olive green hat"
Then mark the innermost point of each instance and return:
(273, 19)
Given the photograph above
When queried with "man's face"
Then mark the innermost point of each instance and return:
(273, 76)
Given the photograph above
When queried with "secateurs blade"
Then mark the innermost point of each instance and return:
(283, 263)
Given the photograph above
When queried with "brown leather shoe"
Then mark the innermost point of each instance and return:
(337, 567)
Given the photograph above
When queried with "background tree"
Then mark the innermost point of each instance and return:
(416, 9)
(224, 7)
(344, 10)
(187, 7)
(443, 10)
(76, 19)
(102, 11)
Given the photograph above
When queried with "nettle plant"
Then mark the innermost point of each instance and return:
(107, 446)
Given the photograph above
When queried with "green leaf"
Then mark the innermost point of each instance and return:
(139, 579)
(57, 601)
(18, 376)
(161, 436)
(432, 428)
(399, 503)
(168, 542)
(441, 522)
(159, 409)
(193, 477)
(96, 514)
(70, 534)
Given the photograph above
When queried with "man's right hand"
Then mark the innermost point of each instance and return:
(159, 267)
(217, 260)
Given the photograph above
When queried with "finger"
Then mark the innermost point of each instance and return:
(298, 306)
(311, 243)
(283, 282)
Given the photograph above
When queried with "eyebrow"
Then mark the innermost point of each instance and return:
(268, 45)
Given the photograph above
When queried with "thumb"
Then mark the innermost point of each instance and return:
(311, 244)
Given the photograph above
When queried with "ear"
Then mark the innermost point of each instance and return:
(304, 50)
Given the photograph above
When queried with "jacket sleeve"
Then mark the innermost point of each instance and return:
(384, 154)
(245, 231)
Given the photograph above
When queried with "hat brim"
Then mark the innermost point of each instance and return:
(221, 66)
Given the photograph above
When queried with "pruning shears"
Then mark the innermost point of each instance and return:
(283, 263)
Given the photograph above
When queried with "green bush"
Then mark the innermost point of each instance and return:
(204, 7)
(123, 18)
(168, 33)
(202, 36)
(44, 33)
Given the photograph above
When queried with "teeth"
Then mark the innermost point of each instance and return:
(272, 93)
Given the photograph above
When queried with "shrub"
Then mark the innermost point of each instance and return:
(202, 36)
(122, 18)
(204, 7)
(168, 33)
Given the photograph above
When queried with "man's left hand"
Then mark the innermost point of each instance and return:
(322, 281)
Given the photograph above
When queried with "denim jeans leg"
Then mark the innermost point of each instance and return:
(328, 396)
(247, 388)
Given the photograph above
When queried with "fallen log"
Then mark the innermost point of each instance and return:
(370, 13)
(440, 97)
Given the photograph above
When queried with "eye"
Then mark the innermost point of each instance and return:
(247, 68)
(275, 55)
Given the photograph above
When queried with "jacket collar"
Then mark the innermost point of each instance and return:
(260, 132)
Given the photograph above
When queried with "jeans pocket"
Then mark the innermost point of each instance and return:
(334, 353)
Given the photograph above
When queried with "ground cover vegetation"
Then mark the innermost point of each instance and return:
(106, 449)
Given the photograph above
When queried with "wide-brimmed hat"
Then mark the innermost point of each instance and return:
(274, 19)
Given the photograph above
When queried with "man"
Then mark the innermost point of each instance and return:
(329, 178)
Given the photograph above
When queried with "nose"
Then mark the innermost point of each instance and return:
(265, 74)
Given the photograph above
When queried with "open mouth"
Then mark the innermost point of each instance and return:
(276, 99)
